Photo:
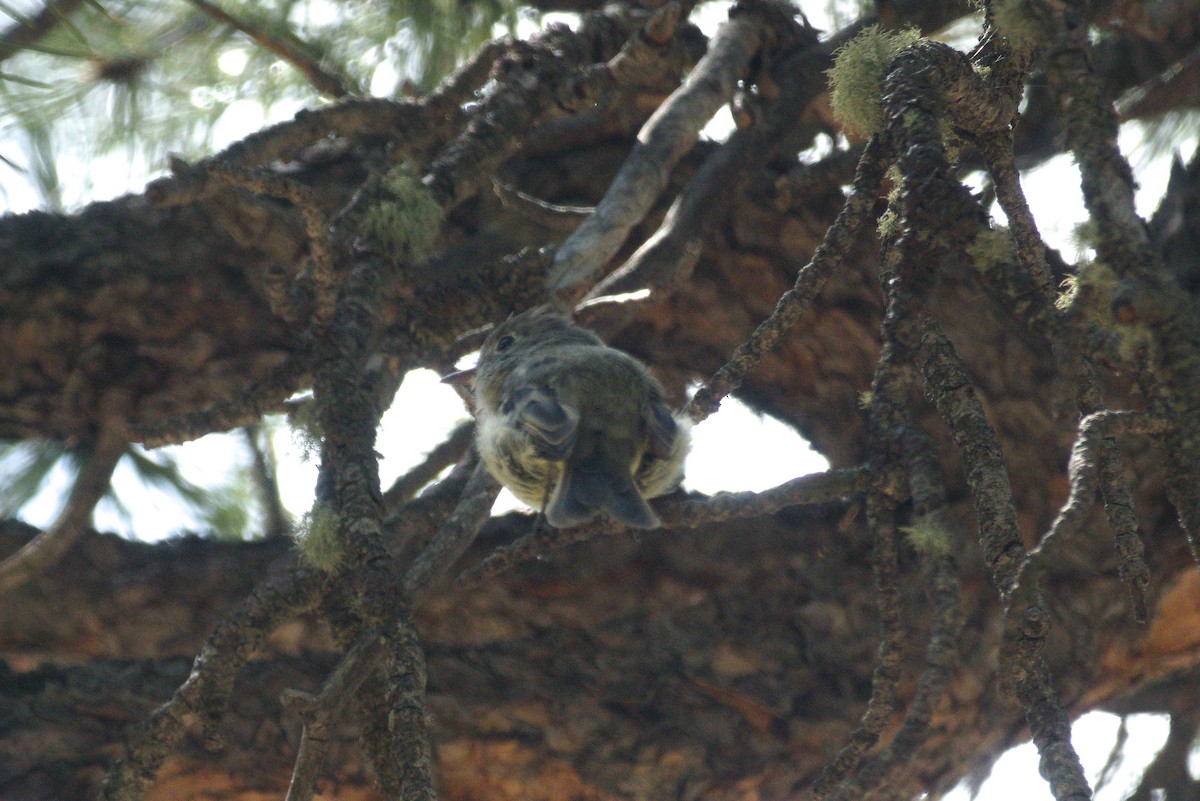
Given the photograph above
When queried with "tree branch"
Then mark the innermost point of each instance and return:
(665, 138)
(676, 512)
(90, 485)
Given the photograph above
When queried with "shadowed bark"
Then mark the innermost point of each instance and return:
(727, 660)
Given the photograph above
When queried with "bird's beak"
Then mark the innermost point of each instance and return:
(461, 378)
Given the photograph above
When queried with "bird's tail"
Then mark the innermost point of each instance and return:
(588, 487)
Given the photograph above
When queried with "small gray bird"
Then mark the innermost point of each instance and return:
(568, 423)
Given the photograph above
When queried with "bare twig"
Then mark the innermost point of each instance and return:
(666, 137)
(549, 215)
(265, 479)
(407, 722)
(286, 47)
(676, 512)
(90, 485)
(941, 653)
(672, 251)
(997, 150)
(445, 454)
(1095, 432)
(809, 282)
(1148, 296)
(203, 696)
(267, 396)
(320, 711)
(885, 492)
(949, 389)
(455, 535)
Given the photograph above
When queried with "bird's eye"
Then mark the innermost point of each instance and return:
(505, 342)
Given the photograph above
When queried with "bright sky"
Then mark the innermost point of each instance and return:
(733, 450)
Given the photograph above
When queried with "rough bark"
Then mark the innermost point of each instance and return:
(729, 661)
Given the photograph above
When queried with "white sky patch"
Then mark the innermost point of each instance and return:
(422, 415)
(233, 62)
(384, 79)
(733, 450)
(1015, 774)
(738, 449)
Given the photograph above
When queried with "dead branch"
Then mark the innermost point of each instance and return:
(90, 485)
(811, 278)
(203, 696)
(666, 137)
(676, 512)
(319, 713)
(445, 454)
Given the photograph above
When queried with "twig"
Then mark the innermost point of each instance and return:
(532, 79)
(265, 479)
(549, 215)
(809, 282)
(37, 555)
(885, 492)
(1031, 292)
(1149, 297)
(445, 454)
(1117, 496)
(827, 487)
(416, 522)
(673, 250)
(665, 138)
(1162, 92)
(949, 389)
(204, 694)
(1083, 471)
(320, 711)
(456, 534)
(316, 224)
(267, 396)
(292, 52)
(941, 653)
(407, 722)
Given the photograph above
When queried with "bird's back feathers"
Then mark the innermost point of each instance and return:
(567, 421)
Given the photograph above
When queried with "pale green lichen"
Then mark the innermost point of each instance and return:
(888, 226)
(929, 537)
(1085, 235)
(403, 223)
(306, 428)
(1091, 294)
(856, 78)
(1016, 22)
(992, 248)
(1068, 291)
(316, 538)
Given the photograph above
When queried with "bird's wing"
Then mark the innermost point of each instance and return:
(660, 425)
(549, 422)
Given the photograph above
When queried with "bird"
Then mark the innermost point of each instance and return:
(572, 426)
